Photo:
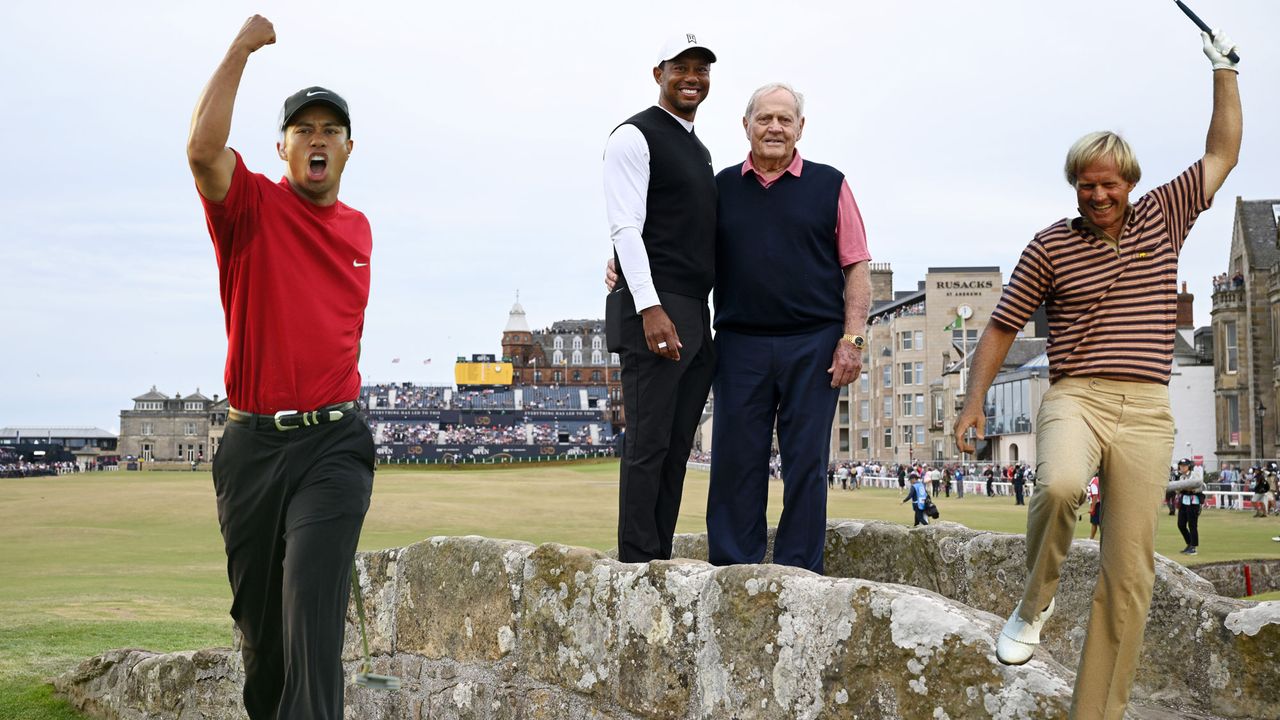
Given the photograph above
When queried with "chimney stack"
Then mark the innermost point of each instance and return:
(1186, 319)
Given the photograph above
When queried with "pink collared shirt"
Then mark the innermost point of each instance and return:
(851, 235)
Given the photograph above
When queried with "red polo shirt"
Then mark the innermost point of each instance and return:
(294, 279)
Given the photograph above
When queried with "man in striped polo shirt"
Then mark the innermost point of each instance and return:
(1108, 279)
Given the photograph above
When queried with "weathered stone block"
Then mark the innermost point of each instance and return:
(458, 597)
(784, 643)
(568, 618)
(379, 585)
(657, 610)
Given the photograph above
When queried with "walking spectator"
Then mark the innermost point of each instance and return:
(1095, 508)
(1190, 488)
(919, 499)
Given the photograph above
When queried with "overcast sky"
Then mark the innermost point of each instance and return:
(479, 129)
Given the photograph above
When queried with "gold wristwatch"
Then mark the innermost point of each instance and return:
(855, 340)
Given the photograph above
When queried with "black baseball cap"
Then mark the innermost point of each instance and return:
(313, 95)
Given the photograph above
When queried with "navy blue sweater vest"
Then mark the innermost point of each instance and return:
(777, 267)
(680, 214)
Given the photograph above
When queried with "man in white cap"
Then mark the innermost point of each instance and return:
(660, 197)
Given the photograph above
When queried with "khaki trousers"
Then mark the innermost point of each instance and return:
(1125, 428)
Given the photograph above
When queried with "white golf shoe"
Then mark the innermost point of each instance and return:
(1019, 638)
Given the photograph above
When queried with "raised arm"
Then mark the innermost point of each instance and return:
(1222, 146)
(212, 162)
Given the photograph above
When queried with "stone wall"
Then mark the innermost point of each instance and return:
(480, 628)
(1228, 577)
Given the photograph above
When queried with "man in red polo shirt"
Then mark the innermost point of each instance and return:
(295, 469)
(1108, 279)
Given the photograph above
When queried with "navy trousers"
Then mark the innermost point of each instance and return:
(761, 379)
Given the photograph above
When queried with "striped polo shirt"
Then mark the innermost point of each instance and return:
(1112, 308)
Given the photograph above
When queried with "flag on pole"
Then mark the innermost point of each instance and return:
(955, 324)
(395, 360)
(427, 361)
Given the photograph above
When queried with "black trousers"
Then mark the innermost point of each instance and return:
(921, 518)
(1189, 524)
(290, 505)
(663, 401)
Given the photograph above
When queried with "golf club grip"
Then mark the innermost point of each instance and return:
(1232, 56)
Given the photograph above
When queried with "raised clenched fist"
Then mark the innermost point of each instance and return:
(257, 31)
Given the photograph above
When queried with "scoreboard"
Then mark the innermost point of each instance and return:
(482, 371)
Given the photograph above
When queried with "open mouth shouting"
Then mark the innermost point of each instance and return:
(317, 167)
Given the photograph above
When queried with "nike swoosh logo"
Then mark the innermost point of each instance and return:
(318, 92)
(357, 263)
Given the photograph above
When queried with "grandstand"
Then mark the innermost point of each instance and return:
(438, 423)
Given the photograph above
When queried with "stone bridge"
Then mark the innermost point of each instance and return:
(482, 628)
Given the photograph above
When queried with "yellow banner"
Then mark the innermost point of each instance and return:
(474, 373)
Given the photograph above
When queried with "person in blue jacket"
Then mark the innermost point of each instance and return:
(919, 498)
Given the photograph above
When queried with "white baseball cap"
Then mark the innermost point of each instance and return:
(677, 44)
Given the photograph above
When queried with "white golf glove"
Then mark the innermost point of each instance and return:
(1217, 49)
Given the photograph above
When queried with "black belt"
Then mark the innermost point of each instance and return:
(291, 419)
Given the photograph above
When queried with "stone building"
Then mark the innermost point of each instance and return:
(567, 353)
(903, 406)
(1246, 334)
(160, 428)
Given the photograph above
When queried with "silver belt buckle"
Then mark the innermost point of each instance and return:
(281, 414)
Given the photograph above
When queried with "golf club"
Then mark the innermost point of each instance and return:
(364, 676)
(1232, 56)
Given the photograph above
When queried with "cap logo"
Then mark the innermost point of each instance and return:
(690, 38)
(318, 92)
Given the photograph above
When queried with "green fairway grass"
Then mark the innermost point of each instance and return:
(108, 560)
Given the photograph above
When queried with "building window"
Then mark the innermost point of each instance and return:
(557, 358)
(920, 435)
(906, 341)
(888, 407)
(864, 440)
(864, 410)
(864, 381)
(190, 429)
(1275, 333)
(919, 339)
(1233, 420)
(577, 376)
(888, 438)
(559, 343)
(197, 405)
(964, 338)
(614, 359)
(617, 376)
(919, 373)
(146, 452)
(597, 357)
(844, 440)
(908, 435)
(597, 343)
(577, 357)
(596, 376)
(906, 405)
(577, 343)
(920, 406)
(1231, 350)
(148, 429)
(906, 373)
(887, 372)
(938, 410)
